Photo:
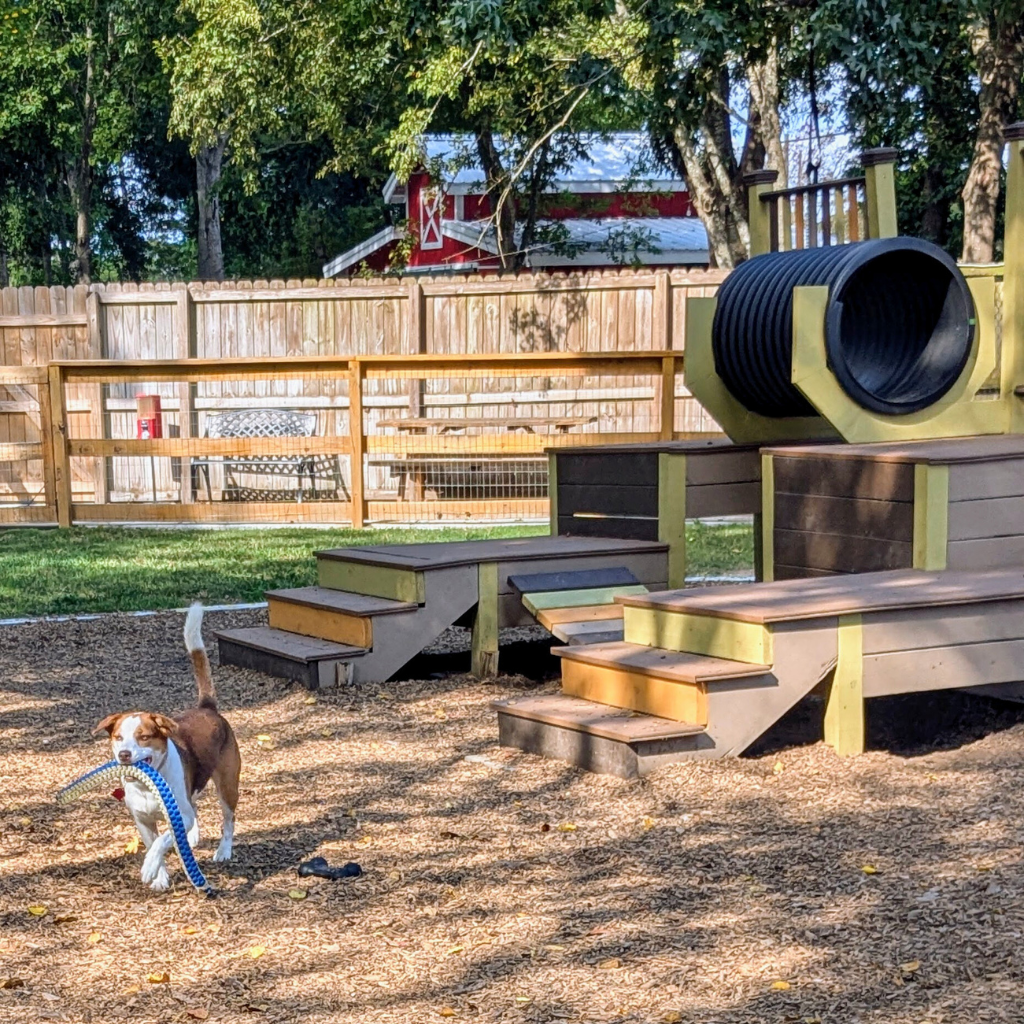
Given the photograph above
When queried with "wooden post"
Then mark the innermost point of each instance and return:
(94, 316)
(358, 440)
(417, 323)
(185, 346)
(844, 703)
(59, 445)
(758, 212)
(668, 398)
(672, 514)
(1013, 276)
(661, 315)
(931, 516)
(485, 623)
(46, 442)
(765, 570)
(553, 492)
(880, 186)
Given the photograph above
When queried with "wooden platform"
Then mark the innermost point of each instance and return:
(648, 491)
(733, 660)
(798, 600)
(391, 601)
(942, 504)
(440, 555)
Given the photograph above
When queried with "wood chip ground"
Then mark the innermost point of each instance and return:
(786, 886)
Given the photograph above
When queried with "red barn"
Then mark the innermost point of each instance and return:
(601, 212)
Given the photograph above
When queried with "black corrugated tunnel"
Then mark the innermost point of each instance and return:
(899, 325)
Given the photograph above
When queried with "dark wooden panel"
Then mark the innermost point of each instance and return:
(977, 480)
(621, 467)
(610, 497)
(851, 517)
(852, 478)
(627, 529)
(735, 499)
(994, 517)
(840, 553)
(306, 673)
(715, 467)
(995, 553)
(940, 451)
(794, 572)
(580, 579)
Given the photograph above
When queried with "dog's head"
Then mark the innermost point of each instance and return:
(138, 736)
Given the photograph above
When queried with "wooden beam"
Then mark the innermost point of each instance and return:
(672, 514)
(240, 447)
(764, 568)
(485, 623)
(931, 515)
(553, 493)
(44, 320)
(880, 188)
(357, 444)
(535, 603)
(321, 512)
(844, 701)
(58, 444)
(759, 184)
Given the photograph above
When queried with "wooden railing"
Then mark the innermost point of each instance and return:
(822, 214)
(652, 380)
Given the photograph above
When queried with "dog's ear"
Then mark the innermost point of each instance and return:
(108, 725)
(165, 726)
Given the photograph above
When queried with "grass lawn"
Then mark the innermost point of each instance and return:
(54, 572)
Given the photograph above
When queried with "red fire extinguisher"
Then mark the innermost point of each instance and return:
(148, 423)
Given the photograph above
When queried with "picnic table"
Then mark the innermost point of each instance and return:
(460, 476)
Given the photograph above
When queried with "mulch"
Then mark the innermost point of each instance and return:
(788, 885)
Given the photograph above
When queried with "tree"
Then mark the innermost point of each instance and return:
(698, 58)
(996, 33)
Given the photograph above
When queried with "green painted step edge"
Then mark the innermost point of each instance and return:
(578, 598)
(690, 633)
(372, 580)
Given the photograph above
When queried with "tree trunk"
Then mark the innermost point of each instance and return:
(503, 210)
(209, 161)
(999, 52)
(763, 146)
(713, 177)
(79, 179)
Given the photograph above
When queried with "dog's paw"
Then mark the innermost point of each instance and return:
(223, 852)
(151, 867)
(193, 835)
(162, 881)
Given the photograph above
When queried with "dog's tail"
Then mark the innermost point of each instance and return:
(200, 662)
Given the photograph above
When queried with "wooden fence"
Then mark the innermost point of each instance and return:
(598, 312)
(446, 466)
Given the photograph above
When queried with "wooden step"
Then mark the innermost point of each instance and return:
(316, 663)
(738, 622)
(331, 614)
(594, 737)
(537, 602)
(597, 631)
(551, 617)
(655, 682)
(578, 579)
(390, 582)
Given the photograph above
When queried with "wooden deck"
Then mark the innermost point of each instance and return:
(946, 451)
(800, 600)
(441, 555)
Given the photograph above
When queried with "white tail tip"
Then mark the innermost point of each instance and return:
(194, 628)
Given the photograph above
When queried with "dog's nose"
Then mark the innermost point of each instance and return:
(124, 756)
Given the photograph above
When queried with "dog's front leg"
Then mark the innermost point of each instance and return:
(147, 829)
(154, 874)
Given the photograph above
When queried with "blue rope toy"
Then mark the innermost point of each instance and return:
(114, 771)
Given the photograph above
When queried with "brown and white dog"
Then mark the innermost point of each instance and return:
(187, 751)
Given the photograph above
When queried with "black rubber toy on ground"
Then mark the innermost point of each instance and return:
(321, 869)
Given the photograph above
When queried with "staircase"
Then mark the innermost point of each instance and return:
(375, 608)
(326, 636)
(704, 673)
